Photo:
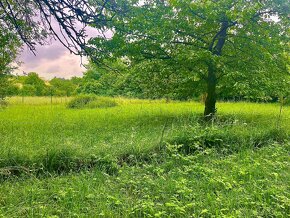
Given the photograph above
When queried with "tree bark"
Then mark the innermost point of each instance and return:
(216, 49)
(210, 102)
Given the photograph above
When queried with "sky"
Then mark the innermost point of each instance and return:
(53, 60)
(50, 61)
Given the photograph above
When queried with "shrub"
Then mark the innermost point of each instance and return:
(91, 101)
(102, 103)
(81, 101)
(3, 103)
(287, 100)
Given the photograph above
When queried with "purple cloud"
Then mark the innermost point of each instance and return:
(51, 61)
(54, 60)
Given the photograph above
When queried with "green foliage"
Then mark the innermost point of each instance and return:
(81, 101)
(102, 102)
(91, 101)
(258, 87)
(9, 48)
(199, 41)
(28, 90)
(154, 79)
(89, 87)
(33, 80)
(150, 79)
(62, 87)
(105, 81)
(3, 103)
(7, 88)
(33, 85)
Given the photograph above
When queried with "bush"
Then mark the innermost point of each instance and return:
(287, 100)
(91, 101)
(102, 103)
(3, 103)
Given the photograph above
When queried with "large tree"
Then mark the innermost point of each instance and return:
(204, 37)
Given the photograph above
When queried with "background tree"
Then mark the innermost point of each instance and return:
(27, 90)
(102, 80)
(9, 48)
(33, 80)
(7, 87)
(155, 79)
(209, 39)
(258, 87)
(62, 87)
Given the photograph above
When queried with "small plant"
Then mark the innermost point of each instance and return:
(3, 103)
(91, 101)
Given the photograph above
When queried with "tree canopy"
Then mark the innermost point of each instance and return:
(207, 39)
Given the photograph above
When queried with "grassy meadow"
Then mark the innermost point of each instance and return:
(143, 159)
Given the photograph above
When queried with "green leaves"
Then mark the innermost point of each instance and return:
(184, 33)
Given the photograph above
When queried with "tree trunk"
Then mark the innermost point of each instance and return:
(210, 102)
(216, 49)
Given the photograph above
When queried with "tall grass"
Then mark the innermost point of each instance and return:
(143, 159)
(31, 130)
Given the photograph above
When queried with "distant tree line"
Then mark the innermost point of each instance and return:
(154, 80)
(150, 80)
(32, 85)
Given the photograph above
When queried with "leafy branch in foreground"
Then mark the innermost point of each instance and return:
(65, 20)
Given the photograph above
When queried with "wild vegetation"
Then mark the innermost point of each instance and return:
(143, 158)
(146, 85)
(181, 42)
(91, 101)
(183, 110)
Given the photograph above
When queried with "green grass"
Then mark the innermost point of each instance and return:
(31, 131)
(143, 159)
(91, 101)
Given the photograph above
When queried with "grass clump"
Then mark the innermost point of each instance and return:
(91, 101)
(3, 103)
(102, 103)
(226, 139)
(55, 162)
